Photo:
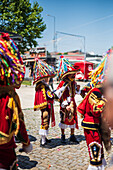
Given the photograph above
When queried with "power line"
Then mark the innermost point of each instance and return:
(96, 20)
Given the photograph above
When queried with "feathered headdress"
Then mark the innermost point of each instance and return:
(12, 69)
(65, 68)
(42, 70)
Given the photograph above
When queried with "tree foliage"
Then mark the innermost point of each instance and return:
(20, 17)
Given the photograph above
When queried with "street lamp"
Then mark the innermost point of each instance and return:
(80, 36)
(54, 39)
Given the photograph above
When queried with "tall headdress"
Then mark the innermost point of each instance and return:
(98, 75)
(65, 68)
(12, 69)
(42, 70)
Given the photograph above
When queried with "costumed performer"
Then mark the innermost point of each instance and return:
(91, 109)
(12, 73)
(65, 93)
(44, 99)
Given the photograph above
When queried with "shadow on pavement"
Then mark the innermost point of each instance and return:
(57, 141)
(25, 163)
(32, 138)
(80, 138)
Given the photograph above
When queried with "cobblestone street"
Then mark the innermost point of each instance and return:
(60, 157)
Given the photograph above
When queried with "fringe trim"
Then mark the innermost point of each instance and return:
(99, 167)
(28, 148)
(43, 132)
(64, 126)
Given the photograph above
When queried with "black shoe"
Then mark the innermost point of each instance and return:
(73, 139)
(21, 150)
(48, 140)
(63, 139)
(17, 140)
(45, 145)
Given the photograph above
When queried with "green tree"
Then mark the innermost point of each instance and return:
(19, 16)
(65, 53)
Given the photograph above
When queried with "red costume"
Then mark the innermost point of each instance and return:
(91, 109)
(44, 98)
(44, 102)
(66, 97)
(86, 89)
(11, 123)
(12, 73)
(66, 93)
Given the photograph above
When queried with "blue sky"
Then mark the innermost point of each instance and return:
(90, 18)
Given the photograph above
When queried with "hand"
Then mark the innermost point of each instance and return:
(68, 108)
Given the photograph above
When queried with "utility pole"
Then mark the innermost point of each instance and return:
(54, 37)
(80, 36)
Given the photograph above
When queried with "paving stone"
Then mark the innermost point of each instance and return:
(60, 157)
